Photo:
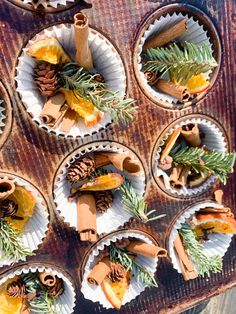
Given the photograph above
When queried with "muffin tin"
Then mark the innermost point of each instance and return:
(37, 155)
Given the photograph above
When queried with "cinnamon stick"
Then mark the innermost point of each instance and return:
(191, 134)
(48, 279)
(86, 217)
(121, 161)
(210, 210)
(145, 249)
(170, 144)
(99, 272)
(218, 195)
(186, 264)
(68, 120)
(7, 187)
(52, 109)
(164, 37)
(177, 91)
(83, 53)
(178, 176)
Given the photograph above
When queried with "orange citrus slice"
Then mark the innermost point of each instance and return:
(83, 107)
(106, 182)
(219, 223)
(48, 49)
(198, 84)
(9, 305)
(26, 203)
(115, 291)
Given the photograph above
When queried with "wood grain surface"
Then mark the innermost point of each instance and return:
(34, 154)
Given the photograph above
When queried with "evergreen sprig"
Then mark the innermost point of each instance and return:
(217, 163)
(42, 303)
(140, 273)
(77, 79)
(203, 263)
(10, 245)
(135, 205)
(182, 64)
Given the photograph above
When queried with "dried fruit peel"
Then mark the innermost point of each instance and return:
(48, 49)
(198, 84)
(9, 305)
(83, 107)
(115, 291)
(26, 204)
(102, 183)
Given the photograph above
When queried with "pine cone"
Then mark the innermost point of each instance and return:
(8, 208)
(99, 78)
(57, 289)
(117, 273)
(81, 169)
(47, 78)
(103, 201)
(16, 288)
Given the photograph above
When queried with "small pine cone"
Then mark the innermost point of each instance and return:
(99, 78)
(16, 288)
(57, 289)
(8, 208)
(47, 78)
(117, 273)
(81, 169)
(151, 77)
(103, 201)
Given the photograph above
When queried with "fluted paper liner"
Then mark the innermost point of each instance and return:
(216, 245)
(195, 34)
(50, 3)
(65, 303)
(2, 116)
(213, 139)
(106, 61)
(115, 216)
(95, 293)
(36, 227)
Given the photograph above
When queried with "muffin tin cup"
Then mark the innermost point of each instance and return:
(36, 227)
(200, 31)
(217, 244)
(65, 303)
(115, 216)
(107, 62)
(95, 293)
(5, 114)
(214, 138)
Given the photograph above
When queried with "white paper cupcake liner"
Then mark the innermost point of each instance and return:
(2, 116)
(216, 245)
(36, 227)
(65, 303)
(195, 34)
(95, 293)
(106, 61)
(213, 139)
(50, 3)
(115, 216)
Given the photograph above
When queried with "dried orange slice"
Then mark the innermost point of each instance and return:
(48, 49)
(108, 181)
(220, 223)
(198, 84)
(9, 305)
(26, 203)
(115, 291)
(83, 107)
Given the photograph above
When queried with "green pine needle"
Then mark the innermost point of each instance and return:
(140, 273)
(135, 205)
(42, 303)
(217, 163)
(203, 263)
(79, 80)
(10, 245)
(182, 64)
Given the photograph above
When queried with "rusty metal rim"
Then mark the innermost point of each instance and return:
(107, 236)
(8, 112)
(29, 7)
(18, 97)
(159, 181)
(214, 36)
